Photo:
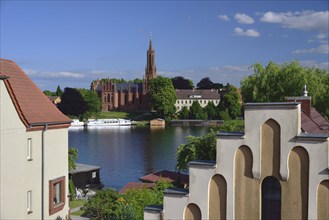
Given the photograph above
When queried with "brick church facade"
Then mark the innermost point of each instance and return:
(127, 96)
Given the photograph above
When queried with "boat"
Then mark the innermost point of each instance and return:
(77, 123)
(109, 122)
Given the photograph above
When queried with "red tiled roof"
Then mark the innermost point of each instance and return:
(315, 123)
(165, 175)
(136, 185)
(33, 107)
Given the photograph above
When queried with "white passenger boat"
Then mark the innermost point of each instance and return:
(109, 122)
(76, 123)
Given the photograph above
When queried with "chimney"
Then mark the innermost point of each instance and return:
(305, 100)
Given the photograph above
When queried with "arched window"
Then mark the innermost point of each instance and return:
(271, 198)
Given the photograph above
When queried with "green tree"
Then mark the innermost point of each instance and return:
(48, 93)
(162, 96)
(203, 147)
(109, 204)
(230, 103)
(72, 157)
(274, 82)
(197, 112)
(205, 83)
(94, 104)
(184, 113)
(180, 82)
(59, 92)
(72, 103)
(196, 148)
(211, 110)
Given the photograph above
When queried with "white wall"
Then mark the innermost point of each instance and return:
(18, 174)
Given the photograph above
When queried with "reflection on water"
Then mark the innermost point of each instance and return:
(126, 153)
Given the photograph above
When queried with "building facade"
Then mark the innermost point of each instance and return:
(127, 96)
(278, 169)
(185, 97)
(33, 150)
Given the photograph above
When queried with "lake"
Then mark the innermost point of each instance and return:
(128, 153)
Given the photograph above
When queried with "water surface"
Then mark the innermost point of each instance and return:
(128, 153)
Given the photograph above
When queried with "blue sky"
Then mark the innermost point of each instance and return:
(70, 43)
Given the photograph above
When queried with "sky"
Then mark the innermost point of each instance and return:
(71, 43)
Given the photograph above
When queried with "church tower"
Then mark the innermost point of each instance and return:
(150, 69)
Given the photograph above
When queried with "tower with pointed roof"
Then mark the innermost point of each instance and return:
(150, 69)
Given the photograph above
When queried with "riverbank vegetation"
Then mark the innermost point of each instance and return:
(109, 204)
(204, 147)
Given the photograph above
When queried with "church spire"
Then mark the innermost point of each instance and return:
(150, 70)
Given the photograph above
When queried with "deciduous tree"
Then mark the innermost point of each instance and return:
(274, 82)
(72, 103)
(162, 96)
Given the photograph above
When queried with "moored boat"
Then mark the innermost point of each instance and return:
(76, 123)
(109, 122)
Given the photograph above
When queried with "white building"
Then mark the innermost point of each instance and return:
(277, 169)
(185, 97)
(33, 150)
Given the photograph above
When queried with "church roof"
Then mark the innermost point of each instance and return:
(33, 107)
(197, 94)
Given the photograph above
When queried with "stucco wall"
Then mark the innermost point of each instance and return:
(20, 175)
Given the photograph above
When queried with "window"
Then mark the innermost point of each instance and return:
(93, 174)
(29, 202)
(56, 195)
(29, 149)
(271, 198)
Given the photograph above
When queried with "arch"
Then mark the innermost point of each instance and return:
(270, 149)
(271, 198)
(217, 197)
(246, 188)
(192, 212)
(323, 200)
(295, 190)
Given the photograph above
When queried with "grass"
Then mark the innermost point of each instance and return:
(77, 203)
(114, 115)
(78, 213)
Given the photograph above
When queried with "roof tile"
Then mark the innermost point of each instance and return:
(31, 104)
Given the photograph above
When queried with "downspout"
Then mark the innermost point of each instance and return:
(43, 170)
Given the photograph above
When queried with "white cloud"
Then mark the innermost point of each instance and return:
(312, 63)
(60, 74)
(322, 49)
(305, 20)
(224, 17)
(244, 19)
(249, 33)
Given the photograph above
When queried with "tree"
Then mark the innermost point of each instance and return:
(203, 147)
(205, 83)
(72, 103)
(180, 82)
(274, 82)
(211, 110)
(184, 113)
(72, 157)
(230, 103)
(94, 104)
(59, 92)
(48, 93)
(109, 204)
(196, 111)
(162, 96)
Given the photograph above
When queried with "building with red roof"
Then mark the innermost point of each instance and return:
(34, 150)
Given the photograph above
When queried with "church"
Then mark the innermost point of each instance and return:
(129, 96)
